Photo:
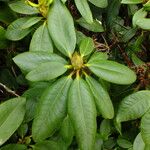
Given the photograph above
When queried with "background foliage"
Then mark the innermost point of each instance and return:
(74, 74)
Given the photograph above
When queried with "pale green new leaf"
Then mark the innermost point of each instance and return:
(140, 14)
(30, 60)
(134, 106)
(99, 3)
(112, 71)
(138, 143)
(86, 46)
(98, 56)
(84, 10)
(46, 72)
(131, 1)
(143, 23)
(15, 32)
(96, 26)
(51, 110)
(82, 112)
(22, 7)
(11, 116)
(102, 99)
(61, 28)
(31, 21)
(145, 124)
(41, 40)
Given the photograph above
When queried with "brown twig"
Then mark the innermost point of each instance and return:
(9, 90)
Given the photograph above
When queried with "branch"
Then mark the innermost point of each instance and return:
(9, 90)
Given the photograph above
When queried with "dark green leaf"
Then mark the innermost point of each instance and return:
(32, 97)
(47, 145)
(31, 21)
(61, 28)
(51, 109)
(14, 147)
(133, 106)
(84, 9)
(23, 8)
(102, 99)
(67, 131)
(41, 40)
(145, 124)
(30, 60)
(99, 3)
(3, 41)
(82, 112)
(113, 72)
(96, 26)
(11, 116)
(15, 32)
(46, 71)
(105, 129)
(124, 143)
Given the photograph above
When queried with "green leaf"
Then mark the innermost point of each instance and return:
(22, 7)
(41, 40)
(102, 99)
(131, 1)
(133, 106)
(96, 26)
(3, 41)
(22, 130)
(14, 147)
(51, 109)
(124, 143)
(67, 131)
(138, 143)
(11, 116)
(113, 72)
(15, 32)
(62, 28)
(82, 112)
(98, 142)
(47, 145)
(143, 23)
(98, 56)
(86, 46)
(46, 71)
(32, 97)
(105, 129)
(84, 10)
(99, 3)
(31, 21)
(30, 60)
(145, 124)
(140, 14)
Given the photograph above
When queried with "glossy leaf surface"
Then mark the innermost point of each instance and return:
(113, 72)
(82, 112)
(102, 99)
(46, 72)
(51, 109)
(11, 116)
(41, 40)
(62, 28)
